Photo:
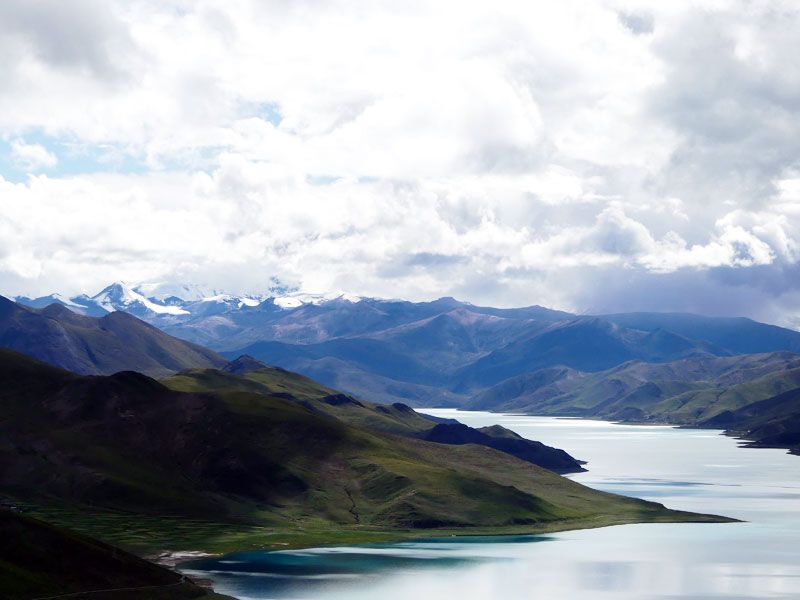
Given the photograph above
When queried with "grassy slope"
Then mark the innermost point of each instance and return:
(560, 387)
(770, 423)
(134, 463)
(397, 418)
(731, 392)
(271, 381)
(38, 559)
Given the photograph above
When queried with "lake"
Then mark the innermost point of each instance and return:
(689, 469)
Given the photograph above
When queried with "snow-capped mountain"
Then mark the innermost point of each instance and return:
(80, 304)
(443, 351)
(164, 292)
(51, 299)
(296, 299)
(163, 303)
(119, 296)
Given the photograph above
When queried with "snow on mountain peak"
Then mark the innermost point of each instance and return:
(295, 299)
(120, 296)
(160, 291)
(60, 298)
(161, 299)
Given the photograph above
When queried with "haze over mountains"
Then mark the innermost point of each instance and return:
(252, 445)
(254, 452)
(660, 367)
(429, 353)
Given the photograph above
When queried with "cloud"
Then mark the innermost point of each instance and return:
(514, 154)
(32, 157)
(82, 36)
(638, 23)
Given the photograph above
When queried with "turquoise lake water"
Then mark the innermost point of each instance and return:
(689, 469)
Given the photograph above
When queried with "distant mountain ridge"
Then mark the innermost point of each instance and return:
(157, 301)
(97, 345)
(756, 396)
(623, 388)
(438, 353)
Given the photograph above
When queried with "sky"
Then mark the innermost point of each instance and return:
(596, 157)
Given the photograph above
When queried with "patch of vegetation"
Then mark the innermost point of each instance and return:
(39, 559)
(272, 381)
(131, 462)
(744, 394)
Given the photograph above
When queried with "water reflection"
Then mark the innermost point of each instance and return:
(686, 469)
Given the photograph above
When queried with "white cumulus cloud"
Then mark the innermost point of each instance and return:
(507, 153)
(32, 157)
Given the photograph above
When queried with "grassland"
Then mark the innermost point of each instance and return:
(151, 536)
(130, 462)
(750, 395)
(273, 381)
(38, 560)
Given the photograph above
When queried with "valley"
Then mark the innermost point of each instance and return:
(96, 445)
(675, 368)
(340, 300)
(228, 453)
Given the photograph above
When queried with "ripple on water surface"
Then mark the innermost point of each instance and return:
(687, 469)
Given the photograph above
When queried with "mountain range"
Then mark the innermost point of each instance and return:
(439, 353)
(97, 345)
(701, 387)
(228, 454)
(674, 368)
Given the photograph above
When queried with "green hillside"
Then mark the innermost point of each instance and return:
(38, 560)
(770, 423)
(132, 462)
(729, 392)
(273, 381)
(396, 418)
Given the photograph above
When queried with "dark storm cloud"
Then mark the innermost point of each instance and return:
(697, 291)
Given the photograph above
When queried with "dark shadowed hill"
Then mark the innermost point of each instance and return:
(40, 560)
(97, 346)
(127, 445)
(394, 418)
(505, 440)
(770, 423)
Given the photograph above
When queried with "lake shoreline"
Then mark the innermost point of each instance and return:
(690, 469)
(746, 440)
(351, 537)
